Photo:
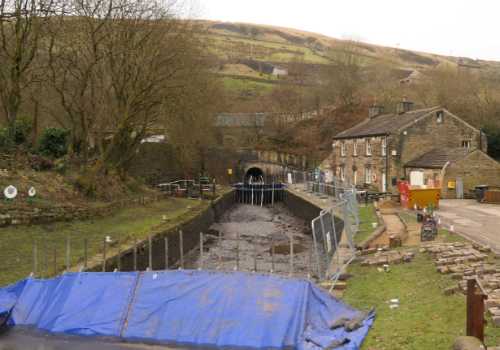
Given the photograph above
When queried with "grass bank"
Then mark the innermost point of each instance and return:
(16, 242)
(426, 318)
(367, 216)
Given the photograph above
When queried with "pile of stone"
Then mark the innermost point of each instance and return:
(464, 261)
(387, 257)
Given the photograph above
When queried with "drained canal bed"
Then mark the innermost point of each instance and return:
(257, 239)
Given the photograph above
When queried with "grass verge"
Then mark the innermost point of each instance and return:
(16, 242)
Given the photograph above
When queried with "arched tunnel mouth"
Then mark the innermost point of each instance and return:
(254, 175)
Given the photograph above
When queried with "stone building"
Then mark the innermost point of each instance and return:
(386, 147)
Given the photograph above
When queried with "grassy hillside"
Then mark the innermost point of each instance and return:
(246, 53)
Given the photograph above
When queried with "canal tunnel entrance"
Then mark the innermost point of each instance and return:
(254, 175)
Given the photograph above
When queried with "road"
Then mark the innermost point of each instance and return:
(476, 221)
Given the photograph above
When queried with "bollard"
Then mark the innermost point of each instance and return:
(150, 253)
(35, 258)
(85, 254)
(68, 252)
(135, 254)
(181, 249)
(104, 255)
(291, 256)
(200, 267)
(166, 253)
(237, 268)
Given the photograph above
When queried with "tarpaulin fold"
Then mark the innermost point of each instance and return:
(213, 309)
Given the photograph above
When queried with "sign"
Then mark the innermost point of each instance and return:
(32, 192)
(10, 192)
(230, 171)
(452, 185)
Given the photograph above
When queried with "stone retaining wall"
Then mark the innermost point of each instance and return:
(35, 216)
(191, 239)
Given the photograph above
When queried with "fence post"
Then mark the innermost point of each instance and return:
(272, 255)
(181, 248)
(237, 251)
(200, 267)
(166, 253)
(134, 252)
(85, 254)
(104, 255)
(119, 263)
(35, 258)
(68, 252)
(150, 253)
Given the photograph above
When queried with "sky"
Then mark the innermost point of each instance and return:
(449, 27)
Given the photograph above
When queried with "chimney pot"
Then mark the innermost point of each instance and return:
(375, 111)
(404, 106)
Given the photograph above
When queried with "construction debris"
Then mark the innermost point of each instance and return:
(391, 257)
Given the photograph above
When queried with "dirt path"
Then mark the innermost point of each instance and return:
(394, 227)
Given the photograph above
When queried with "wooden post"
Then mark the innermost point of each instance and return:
(166, 253)
(475, 309)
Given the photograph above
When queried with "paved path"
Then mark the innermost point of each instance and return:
(476, 221)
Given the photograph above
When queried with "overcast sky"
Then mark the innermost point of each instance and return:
(449, 27)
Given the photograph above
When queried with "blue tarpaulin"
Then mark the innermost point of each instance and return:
(196, 308)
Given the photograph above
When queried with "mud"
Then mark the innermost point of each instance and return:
(245, 237)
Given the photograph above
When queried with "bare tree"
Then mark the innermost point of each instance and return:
(22, 24)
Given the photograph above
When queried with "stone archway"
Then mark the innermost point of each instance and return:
(254, 173)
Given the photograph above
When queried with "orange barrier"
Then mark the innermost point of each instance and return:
(420, 197)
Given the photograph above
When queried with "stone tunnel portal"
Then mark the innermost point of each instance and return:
(254, 174)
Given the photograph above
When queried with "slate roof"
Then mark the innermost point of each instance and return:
(385, 124)
(437, 158)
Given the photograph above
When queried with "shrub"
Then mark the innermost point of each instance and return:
(23, 130)
(54, 142)
(4, 138)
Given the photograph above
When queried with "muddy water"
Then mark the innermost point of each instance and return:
(244, 239)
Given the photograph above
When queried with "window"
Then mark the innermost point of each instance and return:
(355, 148)
(368, 147)
(384, 146)
(368, 175)
(342, 149)
(342, 172)
(466, 144)
(439, 117)
(355, 177)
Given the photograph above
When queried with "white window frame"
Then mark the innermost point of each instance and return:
(368, 175)
(355, 177)
(467, 144)
(384, 146)
(368, 146)
(342, 149)
(439, 117)
(342, 172)
(355, 148)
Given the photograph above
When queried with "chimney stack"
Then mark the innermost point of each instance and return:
(375, 111)
(404, 106)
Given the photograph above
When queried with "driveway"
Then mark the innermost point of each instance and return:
(478, 222)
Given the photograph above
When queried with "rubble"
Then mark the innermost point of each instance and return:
(464, 261)
(391, 257)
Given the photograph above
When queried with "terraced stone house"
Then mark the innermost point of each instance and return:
(429, 147)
